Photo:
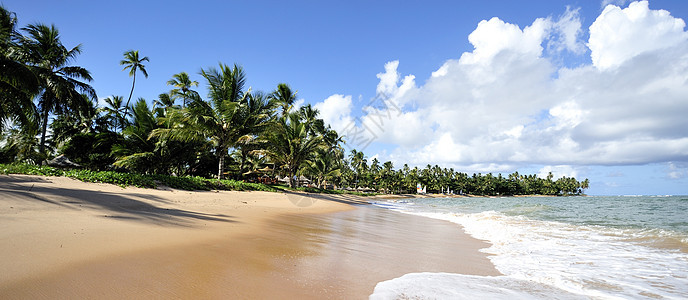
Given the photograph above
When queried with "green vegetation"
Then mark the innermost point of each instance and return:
(244, 139)
(129, 179)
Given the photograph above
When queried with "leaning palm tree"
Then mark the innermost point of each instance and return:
(182, 87)
(218, 120)
(133, 63)
(290, 144)
(60, 85)
(18, 84)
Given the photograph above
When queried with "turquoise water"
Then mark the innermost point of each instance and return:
(639, 212)
(611, 247)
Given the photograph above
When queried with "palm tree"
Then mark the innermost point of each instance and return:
(284, 97)
(137, 153)
(60, 85)
(324, 167)
(163, 104)
(18, 84)
(310, 115)
(116, 113)
(133, 63)
(18, 145)
(85, 121)
(218, 120)
(357, 160)
(253, 118)
(290, 144)
(584, 185)
(182, 87)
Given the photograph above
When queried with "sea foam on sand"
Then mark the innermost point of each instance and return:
(459, 286)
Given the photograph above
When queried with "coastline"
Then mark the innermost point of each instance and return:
(62, 238)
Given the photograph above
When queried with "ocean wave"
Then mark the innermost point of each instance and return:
(589, 260)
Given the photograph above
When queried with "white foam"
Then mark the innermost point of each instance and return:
(594, 261)
(457, 286)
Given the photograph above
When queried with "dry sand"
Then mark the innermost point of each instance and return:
(64, 239)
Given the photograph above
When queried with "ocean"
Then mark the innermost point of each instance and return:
(593, 247)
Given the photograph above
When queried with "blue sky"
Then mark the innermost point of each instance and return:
(536, 89)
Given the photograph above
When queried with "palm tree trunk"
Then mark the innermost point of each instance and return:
(43, 132)
(241, 164)
(292, 181)
(126, 108)
(220, 166)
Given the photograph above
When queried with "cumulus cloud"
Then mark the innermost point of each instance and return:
(621, 34)
(392, 87)
(494, 36)
(506, 103)
(336, 111)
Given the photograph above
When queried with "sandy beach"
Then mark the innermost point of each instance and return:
(61, 238)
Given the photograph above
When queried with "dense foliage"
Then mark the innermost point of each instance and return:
(238, 136)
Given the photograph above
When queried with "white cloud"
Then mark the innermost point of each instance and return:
(389, 89)
(494, 36)
(621, 34)
(505, 104)
(336, 111)
(675, 171)
(298, 104)
(558, 171)
(567, 115)
(568, 31)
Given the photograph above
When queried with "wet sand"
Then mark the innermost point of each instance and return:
(214, 245)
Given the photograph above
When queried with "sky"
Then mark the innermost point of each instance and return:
(591, 89)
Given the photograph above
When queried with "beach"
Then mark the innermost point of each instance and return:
(61, 238)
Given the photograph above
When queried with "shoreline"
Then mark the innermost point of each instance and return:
(413, 196)
(65, 238)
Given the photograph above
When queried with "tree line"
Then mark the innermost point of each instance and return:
(47, 107)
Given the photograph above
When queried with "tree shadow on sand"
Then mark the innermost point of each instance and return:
(129, 206)
(303, 199)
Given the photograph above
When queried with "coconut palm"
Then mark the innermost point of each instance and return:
(358, 163)
(310, 115)
(116, 113)
(163, 104)
(85, 121)
(60, 85)
(284, 96)
(133, 63)
(137, 153)
(253, 118)
(182, 87)
(290, 145)
(222, 120)
(18, 145)
(18, 84)
(324, 167)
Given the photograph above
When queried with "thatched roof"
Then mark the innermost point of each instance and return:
(62, 162)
